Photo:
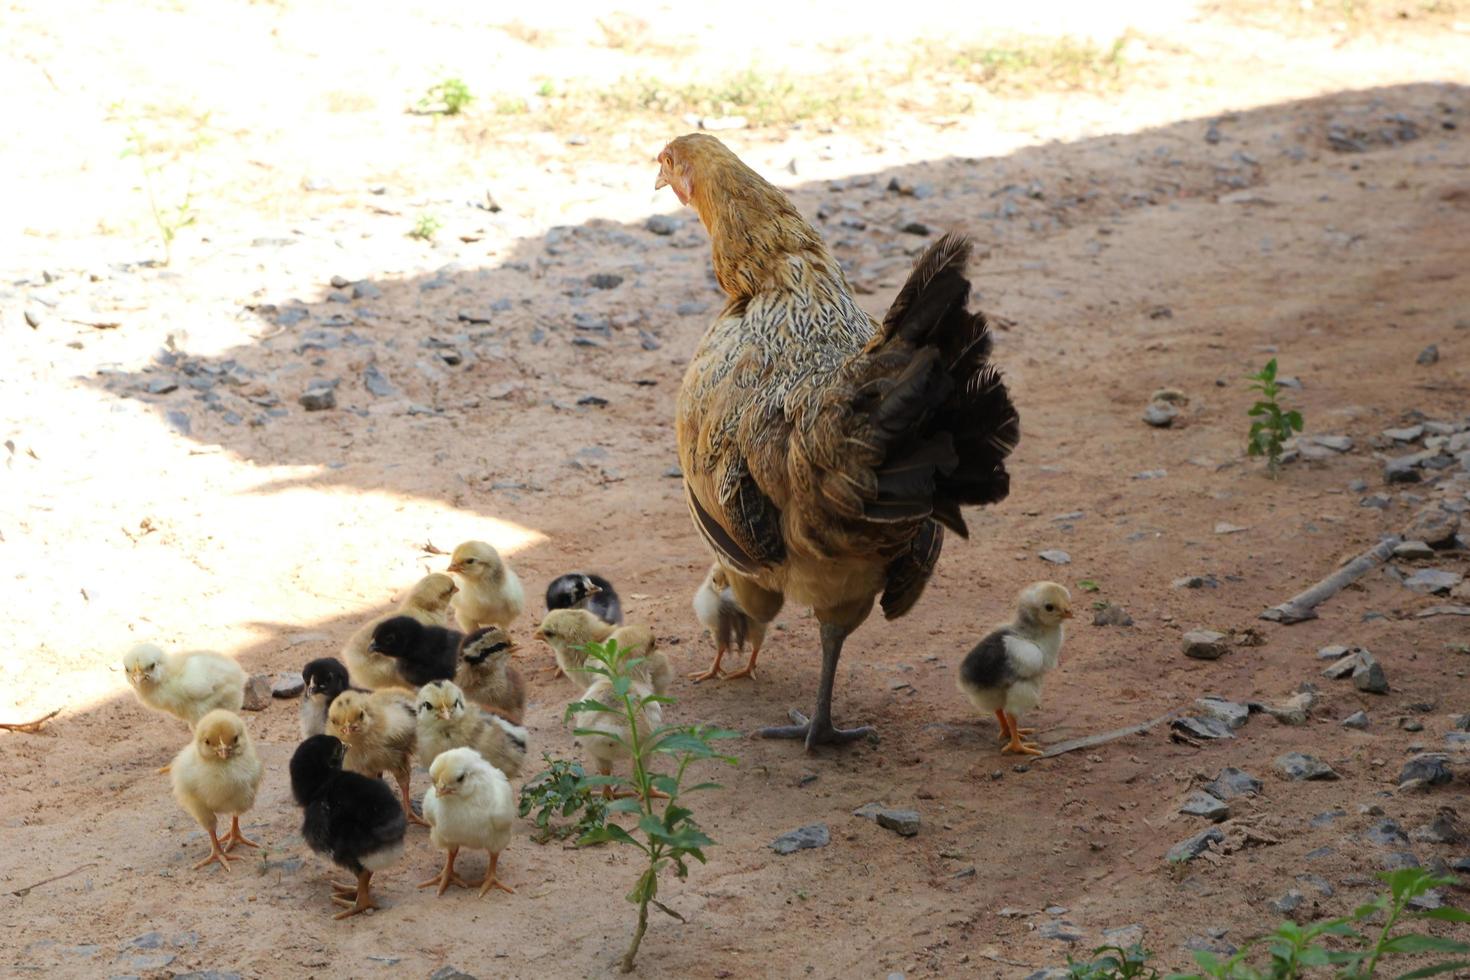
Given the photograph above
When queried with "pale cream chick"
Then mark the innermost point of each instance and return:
(427, 602)
(470, 805)
(569, 631)
(218, 773)
(185, 685)
(1003, 672)
(606, 735)
(490, 594)
(379, 732)
(717, 609)
(447, 721)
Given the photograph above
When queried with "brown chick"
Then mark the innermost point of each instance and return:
(490, 592)
(218, 773)
(824, 453)
(427, 602)
(568, 631)
(486, 676)
(716, 608)
(380, 733)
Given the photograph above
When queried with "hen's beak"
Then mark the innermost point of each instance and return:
(663, 180)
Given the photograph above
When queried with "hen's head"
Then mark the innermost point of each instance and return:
(699, 161)
(1045, 604)
(431, 593)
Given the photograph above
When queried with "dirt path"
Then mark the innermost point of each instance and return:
(1246, 193)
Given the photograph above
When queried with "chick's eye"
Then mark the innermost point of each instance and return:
(460, 779)
(1050, 607)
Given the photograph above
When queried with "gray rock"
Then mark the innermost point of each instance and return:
(1403, 469)
(206, 975)
(1060, 930)
(1202, 804)
(1321, 884)
(162, 386)
(869, 811)
(1289, 902)
(1124, 936)
(366, 290)
(914, 228)
(1150, 475)
(1317, 854)
(288, 685)
(905, 823)
(1408, 433)
(1394, 860)
(1205, 728)
(178, 421)
(1192, 847)
(1231, 783)
(604, 280)
(1295, 710)
(1369, 677)
(1160, 415)
(1346, 664)
(376, 383)
(1210, 944)
(1336, 443)
(143, 962)
(1334, 652)
(1443, 829)
(451, 973)
(1413, 550)
(662, 224)
(1229, 712)
(1431, 767)
(1196, 582)
(1433, 526)
(1461, 723)
(319, 397)
(1411, 725)
(257, 693)
(1205, 645)
(1428, 356)
(1112, 615)
(1299, 766)
(149, 940)
(1433, 581)
(1055, 556)
(812, 835)
(1050, 973)
(1386, 833)
(1377, 501)
(1327, 818)
(1358, 720)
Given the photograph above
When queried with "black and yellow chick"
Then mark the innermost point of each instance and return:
(423, 654)
(584, 590)
(325, 678)
(350, 818)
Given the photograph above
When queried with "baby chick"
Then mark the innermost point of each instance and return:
(325, 679)
(185, 685)
(717, 609)
(583, 590)
(1003, 672)
(218, 773)
(378, 730)
(470, 805)
(568, 631)
(427, 602)
(490, 593)
(351, 818)
(606, 735)
(446, 722)
(424, 653)
(486, 676)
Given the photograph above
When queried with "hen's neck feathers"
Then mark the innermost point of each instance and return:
(755, 231)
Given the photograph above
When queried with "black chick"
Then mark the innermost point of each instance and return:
(325, 679)
(424, 653)
(583, 590)
(353, 819)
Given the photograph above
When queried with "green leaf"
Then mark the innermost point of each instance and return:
(1294, 420)
(1435, 970)
(1088, 585)
(620, 686)
(700, 786)
(1445, 914)
(1415, 943)
(590, 704)
(629, 804)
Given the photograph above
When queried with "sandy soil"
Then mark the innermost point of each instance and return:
(1175, 230)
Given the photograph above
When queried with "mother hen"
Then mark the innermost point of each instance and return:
(825, 453)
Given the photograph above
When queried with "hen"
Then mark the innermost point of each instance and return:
(824, 453)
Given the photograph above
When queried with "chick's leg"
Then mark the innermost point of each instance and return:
(216, 853)
(1015, 744)
(819, 729)
(448, 876)
(403, 778)
(235, 837)
(714, 668)
(749, 669)
(491, 881)
(363, 901)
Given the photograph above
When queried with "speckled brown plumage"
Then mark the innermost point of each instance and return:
(821, 450)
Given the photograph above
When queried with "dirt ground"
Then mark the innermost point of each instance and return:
(1254, 182)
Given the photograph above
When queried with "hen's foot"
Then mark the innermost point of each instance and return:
(821, 732)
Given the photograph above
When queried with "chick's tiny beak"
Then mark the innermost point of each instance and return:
(538, 634)
(223, 751)
(1067, 612)
(443, 790)
(455, 567)
(594, 590)
(444, 713)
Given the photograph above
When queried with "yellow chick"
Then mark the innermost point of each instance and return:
(185, 685)
(218, 773)
(446, 721)
(719, 611)
(490, 594)
(568, 631)
(605, 735)
(379, 732)
(427, 602)
(1003, 672)
(470, 805)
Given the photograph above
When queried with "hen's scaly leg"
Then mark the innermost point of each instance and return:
(216, 853)
(820, 730)
(1015, 744)
(236, 837)
(491, 881)
(714, 668)
(364, 899)
(407, 803)
(448, 876)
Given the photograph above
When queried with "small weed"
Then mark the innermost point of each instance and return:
(511, 105)
(1025, 65)
(1272, 426)
(1089, 585)
(560, 791)
(172, 211)
(669, 837)
(426, 227)
(761, 99)
(447, 98)
(1114, 963)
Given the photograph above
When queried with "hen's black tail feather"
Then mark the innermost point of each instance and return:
(938, 411)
